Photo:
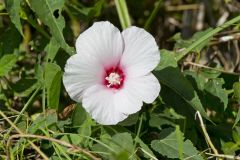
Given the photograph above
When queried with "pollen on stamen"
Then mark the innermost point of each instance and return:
(114, 78)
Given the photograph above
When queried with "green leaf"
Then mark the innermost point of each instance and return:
(82, 121)
(236, 89)
(167, 60)
(169, 146)
(6, 63)
(41, 120)
(56, 24)
(158, 121)
(72, 138)
(14, 8)
(230, 148)
(214, 86)
(122, 142)
(171, 76)
(181, 43)
(146, 150)
(51, 49)
(131, 120)
(79, 115)
(53, 75)
(8, 44)
(237, 118)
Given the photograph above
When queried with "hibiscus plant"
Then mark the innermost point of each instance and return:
(119, 79)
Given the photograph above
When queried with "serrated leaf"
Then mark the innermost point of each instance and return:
(146, 150)
(122, 142)
(214, 86)
(14, 8)
(6, 63)
(169, 146)
(172, 77)
(157, 121)
(52, 81)
(167, 60)
(56, 24)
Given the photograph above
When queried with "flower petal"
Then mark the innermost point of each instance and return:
(98, 102)
(102, 41)
(141, 54)
(80, 73)
(147, 87)
(127, 101)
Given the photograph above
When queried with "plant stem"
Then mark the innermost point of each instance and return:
(206, 134)
(138, 131)
(123, 13)
(207, 36)
(23, 110)
(153, 15)
(210, 68)
(20, 132)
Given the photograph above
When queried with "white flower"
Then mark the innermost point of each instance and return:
(111, 72)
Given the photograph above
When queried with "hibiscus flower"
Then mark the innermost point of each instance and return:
(111, 72)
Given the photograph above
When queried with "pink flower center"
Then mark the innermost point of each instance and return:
(114, 77)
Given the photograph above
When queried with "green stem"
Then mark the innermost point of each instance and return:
(123, 13)
(23, 110)
(153, 15)
(207, 36)
(44, 101)
(138, 131)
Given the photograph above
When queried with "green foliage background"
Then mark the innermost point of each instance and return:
(199, 71)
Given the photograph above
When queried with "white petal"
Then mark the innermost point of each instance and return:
(141, 54)
(98, 102)
(80, 73)
(147, 87)
(102, 41)
(126, 101)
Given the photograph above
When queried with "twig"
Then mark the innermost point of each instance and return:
(206, 134)
(209, 142)
(20, 132)
(202, 66)
(63, 143)
(23, 110)
(3, 14)
(224, 156)
(182, 7)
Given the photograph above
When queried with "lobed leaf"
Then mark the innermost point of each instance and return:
(170, 146)
(55, 23)
(170, 75)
